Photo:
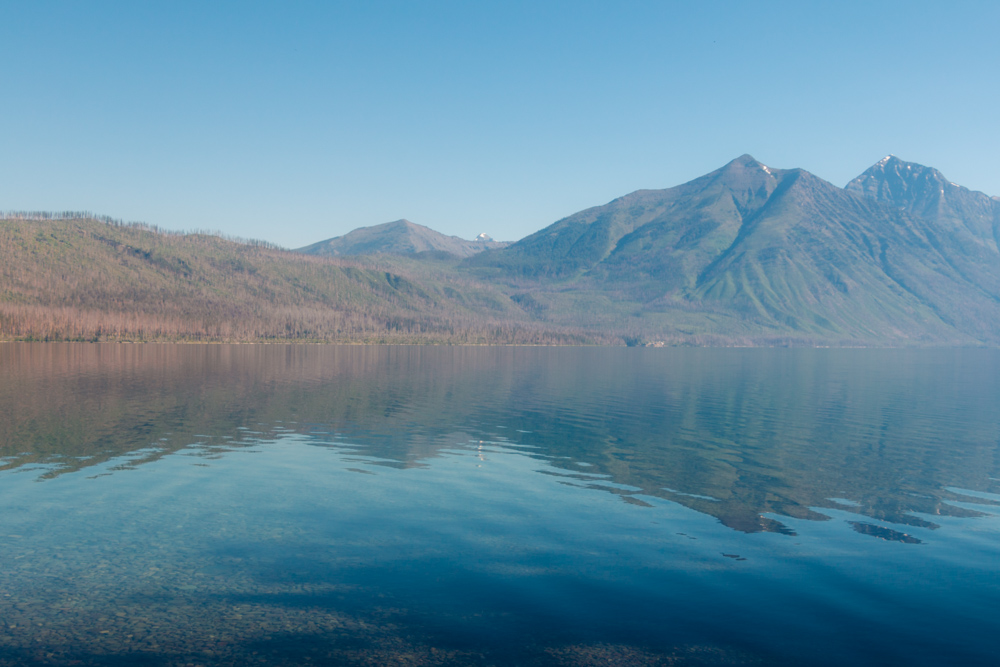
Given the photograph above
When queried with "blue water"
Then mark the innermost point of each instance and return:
(175, 505)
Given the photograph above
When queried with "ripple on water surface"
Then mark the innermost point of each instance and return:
(271, 505)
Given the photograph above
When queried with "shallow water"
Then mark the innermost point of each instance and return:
(175, 505)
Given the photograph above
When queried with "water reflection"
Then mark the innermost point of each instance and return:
(747, 436)
(176, 505)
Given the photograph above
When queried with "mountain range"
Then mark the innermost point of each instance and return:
(900, 254)
(746, 255)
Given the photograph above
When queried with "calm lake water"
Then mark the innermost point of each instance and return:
(231, 505)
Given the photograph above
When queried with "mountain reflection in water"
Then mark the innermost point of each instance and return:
(747, 436)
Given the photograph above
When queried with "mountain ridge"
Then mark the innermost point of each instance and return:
(785, 249)
(747, 254)
(399, 237)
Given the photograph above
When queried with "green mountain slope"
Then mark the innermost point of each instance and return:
(925, 193)
(749, 250)
(817, 260)
(964, 226)
(671, 232)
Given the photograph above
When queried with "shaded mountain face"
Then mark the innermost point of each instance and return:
(670, 232)
(962, 225)
(891, 258)
(925, 193)
(400, 237)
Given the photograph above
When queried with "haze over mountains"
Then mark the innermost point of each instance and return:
(400, 237)
(748, 254)
(900, 254)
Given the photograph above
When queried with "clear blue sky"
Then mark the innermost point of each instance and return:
(296, 121)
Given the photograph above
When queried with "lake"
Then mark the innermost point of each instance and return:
(273, 505)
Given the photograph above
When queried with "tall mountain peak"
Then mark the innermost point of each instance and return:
(745, 161)
(926, 193)
(742, 174)
(894, 181)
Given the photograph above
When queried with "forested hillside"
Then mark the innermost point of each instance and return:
(89, 279)
(745, 255)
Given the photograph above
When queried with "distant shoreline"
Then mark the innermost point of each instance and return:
(677, 346)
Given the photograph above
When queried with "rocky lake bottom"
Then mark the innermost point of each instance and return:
(280, 505)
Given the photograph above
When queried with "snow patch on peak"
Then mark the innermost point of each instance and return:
(886, 158)
(764, 167)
